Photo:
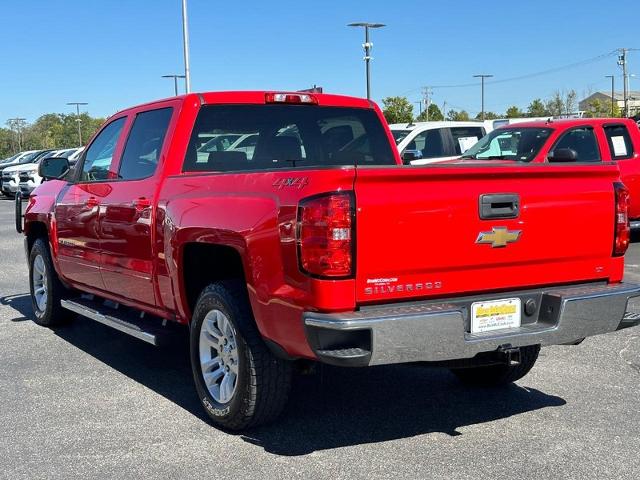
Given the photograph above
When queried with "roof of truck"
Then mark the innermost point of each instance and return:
(566, 123)
(258, 97)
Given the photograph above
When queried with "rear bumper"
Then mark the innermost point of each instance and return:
(436, 331)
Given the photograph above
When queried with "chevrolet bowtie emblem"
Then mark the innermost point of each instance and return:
(499, 236)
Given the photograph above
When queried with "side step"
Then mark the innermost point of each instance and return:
(126, 321)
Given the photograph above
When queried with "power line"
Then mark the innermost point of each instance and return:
(530, 75)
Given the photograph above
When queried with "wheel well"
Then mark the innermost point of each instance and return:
(206, 263)
(36, 230)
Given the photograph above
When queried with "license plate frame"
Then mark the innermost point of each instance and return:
(493, 315)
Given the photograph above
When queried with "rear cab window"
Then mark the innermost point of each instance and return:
(619, 140)
(229, 138)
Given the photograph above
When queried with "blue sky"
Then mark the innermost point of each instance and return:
(111, 53)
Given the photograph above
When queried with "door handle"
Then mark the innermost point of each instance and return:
(500, 205)
(91, 202)
(141, 203)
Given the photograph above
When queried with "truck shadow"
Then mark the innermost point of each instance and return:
(329, 409)
(20, 303)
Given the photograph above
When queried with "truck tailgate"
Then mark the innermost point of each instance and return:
(417, 229)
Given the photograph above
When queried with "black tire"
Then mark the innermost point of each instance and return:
(51, 313)
(263, 381)
(498, 375)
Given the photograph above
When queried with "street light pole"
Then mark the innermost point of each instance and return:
(367, 45)
(175, 81)
(185, 45)
(613, 92)
(77, 104)
(482, 77)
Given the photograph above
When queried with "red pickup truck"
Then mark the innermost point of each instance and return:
(282, 228)
(585, 140)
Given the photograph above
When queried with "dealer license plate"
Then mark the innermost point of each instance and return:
(495, 315)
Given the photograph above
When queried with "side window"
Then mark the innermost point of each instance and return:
(583, 141)
(465, 137)
(429, 144)
(141, 152)
(619, 141)
(99, 156)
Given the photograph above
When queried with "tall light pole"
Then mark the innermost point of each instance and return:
(77, 104)
(482, 76)
(185, 45)
(367, 45)
(613, 92)
(175, 81)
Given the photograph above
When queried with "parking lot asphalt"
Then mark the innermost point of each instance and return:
(85, 401)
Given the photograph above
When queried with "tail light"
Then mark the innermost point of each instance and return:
(326, 235)
(622, 232)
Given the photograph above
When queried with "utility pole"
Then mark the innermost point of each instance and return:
(185, 46)
(613, 93)
(77, 104)
(419, 106)
(444, 109)
(622, 61)
(175, 81)
(18, 123)
(426, 93)
(482, 77)
(367, 45)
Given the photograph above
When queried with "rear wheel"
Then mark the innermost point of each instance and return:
(46, 289)
(239, 381)
(497, 375)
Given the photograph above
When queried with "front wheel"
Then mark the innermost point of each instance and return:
(45, 287)
(497, 375)
(239, 381)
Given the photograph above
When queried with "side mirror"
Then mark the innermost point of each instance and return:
(563, 155)
(409, 156)
(53, 168)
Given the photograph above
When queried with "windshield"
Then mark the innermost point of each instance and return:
(29, 158)
(399, 135)
(520, 144)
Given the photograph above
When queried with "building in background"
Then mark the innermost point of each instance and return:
(605, 98)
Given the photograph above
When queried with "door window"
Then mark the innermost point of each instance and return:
(582, 141)
(141, 153)
(465, 137)
(429, 144)
(619, 141)
(99, 156)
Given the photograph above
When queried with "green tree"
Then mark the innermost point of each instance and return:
(598, 108)
(514, 112)
(397, 110)
(457, 116)
(555, 105)
(537, 109)
(487, 116)
(434, 114)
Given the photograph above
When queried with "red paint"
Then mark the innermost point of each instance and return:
(414, 233)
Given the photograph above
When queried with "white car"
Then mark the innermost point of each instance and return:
(421, 143)
(28, 177)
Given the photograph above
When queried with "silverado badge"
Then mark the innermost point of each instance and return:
(499, 236)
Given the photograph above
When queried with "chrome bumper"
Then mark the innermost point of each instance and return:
(438, 330)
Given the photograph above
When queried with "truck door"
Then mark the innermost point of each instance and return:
(77, 209)
(126, 225)
(621, 150)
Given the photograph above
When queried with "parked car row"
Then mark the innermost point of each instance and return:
(20, 172)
